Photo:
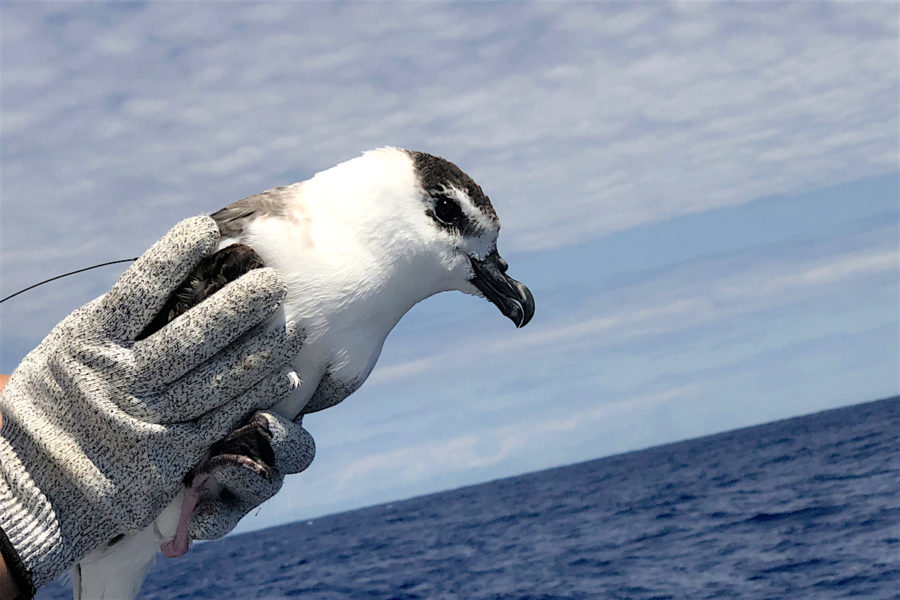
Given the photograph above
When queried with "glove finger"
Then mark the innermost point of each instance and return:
(235, 486)
(204, 330)
(228, 375)
(212, 520)
(142, 290)
(215, 518)
(243, 486)
(293, 446)
(218, 423)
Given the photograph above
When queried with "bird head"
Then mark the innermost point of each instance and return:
(464, 228)
(428, 226)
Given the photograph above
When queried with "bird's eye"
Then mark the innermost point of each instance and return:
(447, 211)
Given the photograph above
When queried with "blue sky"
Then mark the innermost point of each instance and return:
(703, 199)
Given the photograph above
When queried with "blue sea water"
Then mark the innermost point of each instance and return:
(807, 507)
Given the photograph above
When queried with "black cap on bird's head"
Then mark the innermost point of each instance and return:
(458, 206)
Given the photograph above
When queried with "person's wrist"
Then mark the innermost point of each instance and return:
(8, 589)
(12, 581)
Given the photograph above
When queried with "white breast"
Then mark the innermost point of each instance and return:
(332, 296)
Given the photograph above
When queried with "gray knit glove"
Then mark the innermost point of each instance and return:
(247, 468)
(99, 430)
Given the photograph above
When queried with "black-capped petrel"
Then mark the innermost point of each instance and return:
(358, 245)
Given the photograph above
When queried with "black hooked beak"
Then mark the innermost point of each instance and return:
(512, 297)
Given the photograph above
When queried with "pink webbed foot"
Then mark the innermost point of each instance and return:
(180, 544)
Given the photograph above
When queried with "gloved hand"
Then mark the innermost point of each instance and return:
(99, 430)
(247, 468)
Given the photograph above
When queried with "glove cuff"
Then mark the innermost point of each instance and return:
(29, 528)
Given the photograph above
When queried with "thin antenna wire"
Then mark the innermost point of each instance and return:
(114, 262)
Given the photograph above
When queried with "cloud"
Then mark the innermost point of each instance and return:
(579, 119)
(467, 452)
(686, 297)
(619, 115)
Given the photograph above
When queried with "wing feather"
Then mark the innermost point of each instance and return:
(233, 218)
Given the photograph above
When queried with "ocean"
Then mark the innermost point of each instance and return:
(808, 507)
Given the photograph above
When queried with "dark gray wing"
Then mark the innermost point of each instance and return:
(233, 218)
(212, 274)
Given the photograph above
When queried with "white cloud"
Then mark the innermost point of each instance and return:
(685, 298)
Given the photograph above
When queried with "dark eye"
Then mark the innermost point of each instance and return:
(446, 210)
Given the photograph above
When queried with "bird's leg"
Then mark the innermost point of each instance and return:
(248, 446)
(182, 540)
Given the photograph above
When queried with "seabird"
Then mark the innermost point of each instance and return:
(358, 246)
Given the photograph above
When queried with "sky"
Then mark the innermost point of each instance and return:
(703, 199)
